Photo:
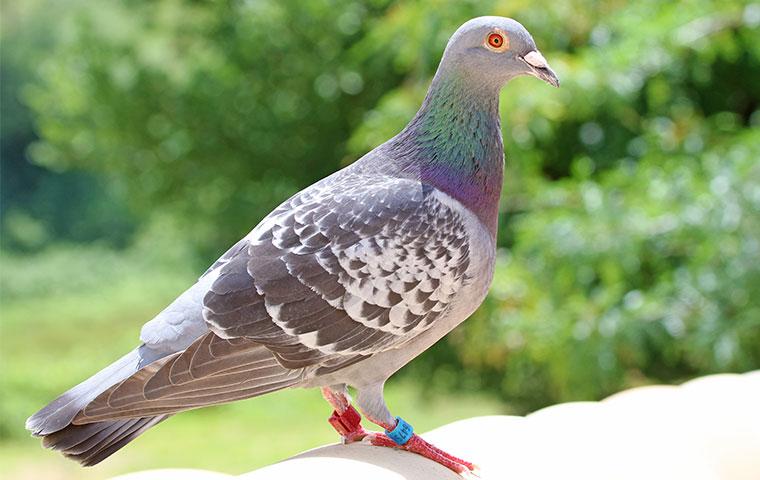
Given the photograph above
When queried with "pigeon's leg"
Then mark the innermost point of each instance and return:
(399, 434)
(345, 419)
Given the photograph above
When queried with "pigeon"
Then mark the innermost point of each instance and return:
(341, 285)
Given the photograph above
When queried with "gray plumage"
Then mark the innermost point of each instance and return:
(342, 284)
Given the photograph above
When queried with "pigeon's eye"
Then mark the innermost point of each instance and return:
(497, 41)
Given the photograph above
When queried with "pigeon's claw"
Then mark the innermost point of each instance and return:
(348, 425)
(418, 445)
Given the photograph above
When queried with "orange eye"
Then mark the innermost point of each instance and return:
(496, 40)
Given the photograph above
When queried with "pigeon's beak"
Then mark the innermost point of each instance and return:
(539, 68)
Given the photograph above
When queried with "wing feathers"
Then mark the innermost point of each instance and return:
(210, 371)
(339, 274)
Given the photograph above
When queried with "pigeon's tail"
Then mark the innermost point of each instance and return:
(59, 413)
(92, 443)
(102, 414)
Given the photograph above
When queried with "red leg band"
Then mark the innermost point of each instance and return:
(347, 422)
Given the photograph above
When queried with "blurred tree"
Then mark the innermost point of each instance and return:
(38, 205)
(650, 272)
(214, 111)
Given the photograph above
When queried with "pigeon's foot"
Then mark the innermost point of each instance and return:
(348, 425)
(417, 445)
(346, 420)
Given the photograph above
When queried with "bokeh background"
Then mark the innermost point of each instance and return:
(141, 138)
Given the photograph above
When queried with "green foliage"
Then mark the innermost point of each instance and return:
(214, 111)
(649, 272)
(629, 228)
(40, 206)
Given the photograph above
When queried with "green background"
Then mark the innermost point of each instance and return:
(140, 138)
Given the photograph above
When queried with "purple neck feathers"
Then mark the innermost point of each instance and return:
(454, 144)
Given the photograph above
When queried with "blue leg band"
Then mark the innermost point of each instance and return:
(401, 433)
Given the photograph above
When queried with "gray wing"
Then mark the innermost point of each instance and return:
(210, 371)
(343, 271)
(324, 281)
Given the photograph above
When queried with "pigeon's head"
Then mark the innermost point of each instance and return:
(494, 50)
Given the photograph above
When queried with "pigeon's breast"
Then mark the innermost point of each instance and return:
(479, 274)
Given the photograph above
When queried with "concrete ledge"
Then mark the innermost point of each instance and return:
(708, 428)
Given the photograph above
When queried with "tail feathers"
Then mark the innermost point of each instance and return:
(94, 442)
(102, 414)
(60, 412)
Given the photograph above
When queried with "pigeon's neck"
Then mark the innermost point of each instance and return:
(454, 144)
